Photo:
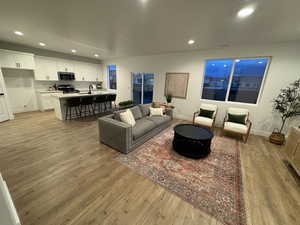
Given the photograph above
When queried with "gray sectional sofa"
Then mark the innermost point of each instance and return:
(124, 138)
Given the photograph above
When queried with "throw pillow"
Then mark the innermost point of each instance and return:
(156, 111)
(206, 113)
(117, 115)
(127, 117)
(237, 118)
(145, 109)
(155, 104)
(136, 111)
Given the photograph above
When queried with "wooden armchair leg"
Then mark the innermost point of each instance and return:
(246, 138)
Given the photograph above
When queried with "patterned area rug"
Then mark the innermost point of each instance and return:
(213, 184)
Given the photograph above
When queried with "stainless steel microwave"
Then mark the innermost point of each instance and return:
(66, 76)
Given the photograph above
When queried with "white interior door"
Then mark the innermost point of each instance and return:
(3, 106)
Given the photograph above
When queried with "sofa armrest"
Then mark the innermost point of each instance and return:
(114, 133)
(169, 112)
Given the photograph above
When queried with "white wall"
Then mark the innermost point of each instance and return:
(20, 89)
(283, 70)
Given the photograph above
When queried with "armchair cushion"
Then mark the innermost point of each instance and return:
(209, 107)
(241, 119)
(239, 111)
(206, 113)
(236, 127)
(204, 121)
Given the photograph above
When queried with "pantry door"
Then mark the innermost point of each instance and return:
(3, 106)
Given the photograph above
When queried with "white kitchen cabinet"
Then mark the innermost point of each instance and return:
(87, 72)
(65, 65)
(96, 74)
(16, 60)
(45, 101)
(46, 69)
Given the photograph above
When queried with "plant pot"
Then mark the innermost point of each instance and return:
(277, 138)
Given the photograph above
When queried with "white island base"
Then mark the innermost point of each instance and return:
(59, 101)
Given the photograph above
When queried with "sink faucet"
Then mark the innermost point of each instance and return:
(90, 88)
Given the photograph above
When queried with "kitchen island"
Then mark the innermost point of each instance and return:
(59, 101)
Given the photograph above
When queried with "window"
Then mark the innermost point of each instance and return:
(142, 87)
(112, 77)
(234, 80)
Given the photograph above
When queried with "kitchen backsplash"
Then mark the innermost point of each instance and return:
(44, 85)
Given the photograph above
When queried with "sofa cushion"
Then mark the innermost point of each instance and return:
(158, 120)
(137, 113)
(145, 109)
(141, 127)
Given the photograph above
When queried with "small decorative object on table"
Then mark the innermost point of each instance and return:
(287, 103)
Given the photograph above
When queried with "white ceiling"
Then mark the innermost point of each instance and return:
(114, 28)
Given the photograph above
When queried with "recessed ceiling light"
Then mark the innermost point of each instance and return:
(19, 33)
(245, 12)
(96, 55)
(42, 44)
(73, 50)
(190, 42)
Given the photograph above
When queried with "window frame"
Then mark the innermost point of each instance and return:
(108, 77)
(231, 78)
(142, 84)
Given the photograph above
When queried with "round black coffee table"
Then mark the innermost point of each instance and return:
(192, 141)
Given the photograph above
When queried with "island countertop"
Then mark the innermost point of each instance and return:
(83, 94)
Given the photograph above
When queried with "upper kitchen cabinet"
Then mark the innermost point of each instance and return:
(87, 72)
(16, 60)
(46, 68)
(65, 65)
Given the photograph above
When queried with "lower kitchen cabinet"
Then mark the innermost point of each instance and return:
(45, 101)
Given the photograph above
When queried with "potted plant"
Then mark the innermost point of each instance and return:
(287, 104)
(169, 98)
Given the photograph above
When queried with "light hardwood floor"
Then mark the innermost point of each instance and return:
(59, 174)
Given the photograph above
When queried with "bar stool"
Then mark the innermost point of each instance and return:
(88, 104)
(111, 98)
(99, 101)
(72, 103)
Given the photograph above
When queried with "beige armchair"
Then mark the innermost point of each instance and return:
(236, 127)
(205, 121)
